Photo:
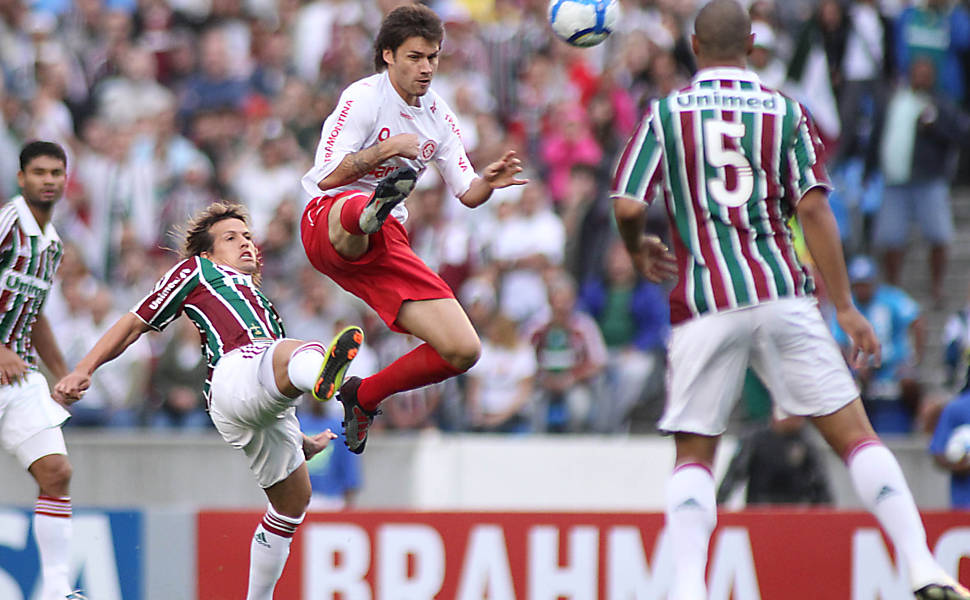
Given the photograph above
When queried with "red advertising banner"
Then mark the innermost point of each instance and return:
(754, 555)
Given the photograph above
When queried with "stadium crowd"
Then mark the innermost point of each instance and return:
(166, 105)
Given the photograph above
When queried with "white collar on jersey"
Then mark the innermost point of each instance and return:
(29, 224)
(733, 73)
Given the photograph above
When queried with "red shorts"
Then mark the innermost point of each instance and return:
(384, 277)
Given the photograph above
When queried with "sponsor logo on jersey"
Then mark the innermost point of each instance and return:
(454, 126)
(171, 285)
(337, 128)
(727, 100)
(427, 149)
(406, 115)
(25, 284)
(382, 171)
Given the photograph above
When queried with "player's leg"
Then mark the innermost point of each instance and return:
(53, 529)
(879, 482)
(270, 546)
(451, 347)
(355, 216)
(708, 358)
(300, 367)
(691, 513)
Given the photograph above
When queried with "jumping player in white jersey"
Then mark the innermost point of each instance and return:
(734, 160)
(256, 375)
(384, 132)
(30, 420)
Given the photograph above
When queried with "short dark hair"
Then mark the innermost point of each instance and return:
(410, 20)
(197, 237)
(32, 150)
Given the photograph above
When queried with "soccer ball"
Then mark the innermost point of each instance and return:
(958, 445)
(583, 23)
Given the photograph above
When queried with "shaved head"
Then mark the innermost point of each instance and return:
(722, 32)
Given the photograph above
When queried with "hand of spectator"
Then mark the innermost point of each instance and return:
(404, 144)
(313, 445)
(654, 260)
(865, 350)
(502, 173)
(12, 367)
(69, 390)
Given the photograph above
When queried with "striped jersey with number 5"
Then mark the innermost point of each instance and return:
(732, 158)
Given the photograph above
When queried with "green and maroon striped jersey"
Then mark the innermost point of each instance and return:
(225, 305)
(733, 158)
(29, 256)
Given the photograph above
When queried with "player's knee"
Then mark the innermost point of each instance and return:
(467, 354)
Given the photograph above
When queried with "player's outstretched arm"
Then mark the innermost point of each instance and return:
(121, 335)
(357, 164)
(825, 246)
(499, 174)
(43, 339)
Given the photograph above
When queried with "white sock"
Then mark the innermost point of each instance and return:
(882, 488)
(268, 553)
(53, 531)
(304, 366)
(691, 515)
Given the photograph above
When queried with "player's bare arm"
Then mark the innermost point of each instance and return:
(12, 367)
(44, 341)
(650, 255)
(822, 238)
(499, 174)
(356, 165)
(121, 335)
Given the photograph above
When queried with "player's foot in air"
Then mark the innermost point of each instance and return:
(948, 589)
(341, 351)
(390, 192)
(356, 420)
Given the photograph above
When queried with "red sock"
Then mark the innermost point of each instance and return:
(350, 213)
(419, 367)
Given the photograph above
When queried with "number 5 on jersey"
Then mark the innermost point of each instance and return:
(722, 159)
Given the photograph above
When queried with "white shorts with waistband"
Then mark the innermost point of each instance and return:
(248, 416)
(786, 342)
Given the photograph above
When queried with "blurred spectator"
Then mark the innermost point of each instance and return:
(815, 69)
(633, 317)
(890, 392)
(588, 222)
(176, 399)
(778, 464)
(956, 414)
(500, 385)
(937, 31)
(919, 156)
(763, 58)
(956, 349)
(571, 357)
(335, 473)
(214, 86)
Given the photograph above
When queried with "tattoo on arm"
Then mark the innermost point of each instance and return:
(363, 161)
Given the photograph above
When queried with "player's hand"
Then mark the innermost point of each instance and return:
(502, 173)
(12, 367)
(313, 445)
(71, 387)
(865, 351)
(654, 260)
(406, 145)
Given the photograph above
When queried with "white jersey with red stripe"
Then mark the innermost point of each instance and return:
(369, 111)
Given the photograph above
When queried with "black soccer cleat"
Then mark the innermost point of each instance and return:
(356, 420)
(391, 191)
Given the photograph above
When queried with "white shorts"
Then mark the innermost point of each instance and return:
(27, 409)
(787, 344)
(249, 417)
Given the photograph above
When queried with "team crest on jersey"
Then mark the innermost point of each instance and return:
(427, 149)
(257, 331)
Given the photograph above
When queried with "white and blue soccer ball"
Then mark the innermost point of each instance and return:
(958, 445)
(583, 23)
